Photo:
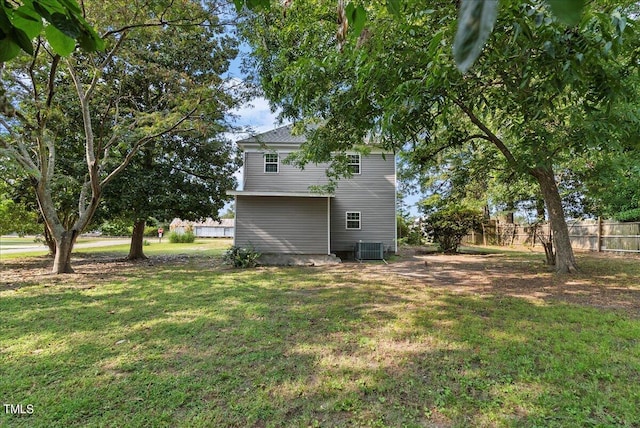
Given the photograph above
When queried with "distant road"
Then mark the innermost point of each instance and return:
(37, 247)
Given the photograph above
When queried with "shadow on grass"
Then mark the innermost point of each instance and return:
(187, 346)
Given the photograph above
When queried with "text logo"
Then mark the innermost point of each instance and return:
(18, 409)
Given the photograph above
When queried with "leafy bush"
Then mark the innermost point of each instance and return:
(16, 217)
(408, 233)
(182, 238)
(629, 215)
(151, 231)
(116, 228)
(241, 257)
(450, 224)
(415, 237)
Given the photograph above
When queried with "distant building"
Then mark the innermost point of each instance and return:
(207, 229)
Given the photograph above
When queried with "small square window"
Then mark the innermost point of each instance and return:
(353, 220)
(354, 163)
(271, 162)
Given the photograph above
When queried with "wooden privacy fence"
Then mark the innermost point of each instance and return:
(593, 235)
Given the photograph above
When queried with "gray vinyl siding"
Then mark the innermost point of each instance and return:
(372, 193)
(288, 225)
(287, 179)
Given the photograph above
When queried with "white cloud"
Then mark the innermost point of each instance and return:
(257, 115)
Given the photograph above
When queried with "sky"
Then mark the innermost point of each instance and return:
(257, 114)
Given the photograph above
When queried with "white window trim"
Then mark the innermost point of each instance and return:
(277, 163)
(346, 217)
(359, 163)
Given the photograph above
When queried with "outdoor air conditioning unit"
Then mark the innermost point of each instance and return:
(369, 251)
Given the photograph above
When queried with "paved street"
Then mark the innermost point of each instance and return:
(37, 247)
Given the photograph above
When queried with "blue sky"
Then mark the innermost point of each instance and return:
(257, 113)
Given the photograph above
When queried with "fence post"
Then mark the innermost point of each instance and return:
(599, 234)
(484, 235)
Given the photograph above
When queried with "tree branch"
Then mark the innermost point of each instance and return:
(162, 22)
(490, 136)
(103, 64)
(88, 130)
(141, 142)
(20, 155)
(51, 83)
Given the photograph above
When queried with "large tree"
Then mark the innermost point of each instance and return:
(179, 174)
(42, 86)
(174, 178)
(540, 91)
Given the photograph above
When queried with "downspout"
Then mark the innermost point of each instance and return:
(235, 220)
(395, 203)
(328, 225)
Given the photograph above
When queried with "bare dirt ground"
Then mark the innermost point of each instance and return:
(90, 269)
(605, 280)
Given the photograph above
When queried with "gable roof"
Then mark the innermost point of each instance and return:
(280, 135)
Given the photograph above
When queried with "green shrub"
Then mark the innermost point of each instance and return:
(629, 215)
(151, 231)
(408, 233)
(450, 224)
(415, 236)
(241, 257)
(116, 228)
(182, 238)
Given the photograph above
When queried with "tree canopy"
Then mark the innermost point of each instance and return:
(541, 92)
(76, 120)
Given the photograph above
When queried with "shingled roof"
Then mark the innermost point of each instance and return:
(280, 135)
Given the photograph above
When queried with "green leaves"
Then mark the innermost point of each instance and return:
(394, 7)
(18, 26)
(357, 16)
(475, 23)
(61, 43)
(252, 4)
(476, 20)
(568, 11)
(14, 37)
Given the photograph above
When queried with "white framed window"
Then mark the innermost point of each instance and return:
(353, 220)
(354, 163)
(271, 162)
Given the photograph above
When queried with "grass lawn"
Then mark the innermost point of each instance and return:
(203, 247)
(190, 343)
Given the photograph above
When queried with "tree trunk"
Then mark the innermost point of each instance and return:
(137, 240)
(50, 241)
(64, 246)
(540, 209)
(565, 260)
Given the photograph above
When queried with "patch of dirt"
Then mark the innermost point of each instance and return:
(494, 274)
(90, 270)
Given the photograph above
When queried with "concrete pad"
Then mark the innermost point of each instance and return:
(298, 260)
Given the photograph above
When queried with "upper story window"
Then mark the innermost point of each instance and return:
(271, 162)
(354, 163)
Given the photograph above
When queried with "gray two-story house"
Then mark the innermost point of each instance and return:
(277, 213)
